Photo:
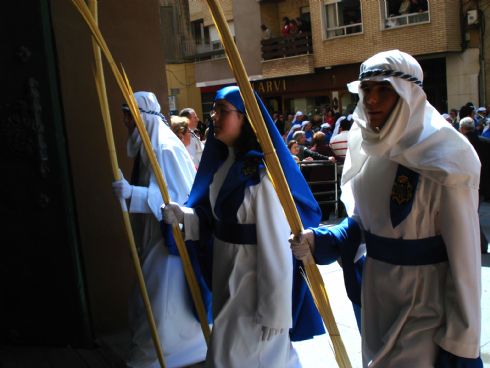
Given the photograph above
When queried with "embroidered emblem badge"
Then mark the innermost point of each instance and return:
(402, 191)
(251, 166)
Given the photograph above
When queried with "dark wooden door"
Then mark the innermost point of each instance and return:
(42, 293)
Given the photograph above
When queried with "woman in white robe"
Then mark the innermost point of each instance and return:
(179, 331)
(410, 182)
(252, 272)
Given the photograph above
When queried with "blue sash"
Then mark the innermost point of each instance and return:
(232, 232)
(406, 252)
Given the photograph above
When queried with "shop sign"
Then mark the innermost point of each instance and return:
(270, 86)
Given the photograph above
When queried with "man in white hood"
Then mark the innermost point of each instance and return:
(178, 329)
(410, 187)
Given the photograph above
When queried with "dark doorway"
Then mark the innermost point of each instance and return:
(435, 84)
(42, 294)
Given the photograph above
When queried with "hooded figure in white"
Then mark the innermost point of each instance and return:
(180, 333)
(411, 185)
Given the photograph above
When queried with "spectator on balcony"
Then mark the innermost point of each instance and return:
(286, 27)
(404, 7)
(266, 32)
(300, 25)
(293, 27)
(418, 6)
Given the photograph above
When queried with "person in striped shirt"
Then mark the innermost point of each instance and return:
(339, 142)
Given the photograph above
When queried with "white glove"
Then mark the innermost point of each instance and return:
(303, 244)
(121, 188)
(269, 332)
(172, 213)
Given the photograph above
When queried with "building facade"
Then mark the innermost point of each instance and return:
(309, 70)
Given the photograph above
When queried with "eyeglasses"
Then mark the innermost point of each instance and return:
(215, 113)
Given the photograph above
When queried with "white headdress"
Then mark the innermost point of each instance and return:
(415, 135)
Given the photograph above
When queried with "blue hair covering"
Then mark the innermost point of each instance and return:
(306, 319)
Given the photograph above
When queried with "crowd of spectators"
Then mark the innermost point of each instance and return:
(474, 124)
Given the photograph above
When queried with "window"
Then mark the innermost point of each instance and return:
(200, 33)
(342, 17)
(398, 13)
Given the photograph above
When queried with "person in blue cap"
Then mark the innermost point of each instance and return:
(258, 293)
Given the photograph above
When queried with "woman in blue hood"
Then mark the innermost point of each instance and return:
(258, 295)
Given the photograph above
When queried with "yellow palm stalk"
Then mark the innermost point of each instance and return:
(106, 118)
(315, 280)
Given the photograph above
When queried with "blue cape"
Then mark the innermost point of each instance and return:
(306, 319)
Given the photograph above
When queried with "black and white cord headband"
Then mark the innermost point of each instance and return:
(126, 107)
(389, 73)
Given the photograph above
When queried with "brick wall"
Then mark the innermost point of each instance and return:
(291, 8)
(295, 65)
(442, 34)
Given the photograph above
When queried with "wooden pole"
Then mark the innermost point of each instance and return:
(315, 281)
(106, 118)
(128, 95)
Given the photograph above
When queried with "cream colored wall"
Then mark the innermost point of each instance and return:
(183, 77)
(198, 9)
(462, 78)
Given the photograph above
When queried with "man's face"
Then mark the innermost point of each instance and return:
(193, 120)
(128, 121)
(380, 98)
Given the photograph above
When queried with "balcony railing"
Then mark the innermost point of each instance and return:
(282, 47)
(206, 51)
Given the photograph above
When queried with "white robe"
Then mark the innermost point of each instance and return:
(409, 311)
(179, 331)
(252, 284)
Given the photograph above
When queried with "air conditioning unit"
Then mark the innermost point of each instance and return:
(472, 17)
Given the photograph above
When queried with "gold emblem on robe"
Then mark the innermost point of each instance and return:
(402, 191)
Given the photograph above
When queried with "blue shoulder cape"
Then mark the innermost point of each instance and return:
(307, 321)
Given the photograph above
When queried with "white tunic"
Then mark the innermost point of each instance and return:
(409, 311)
(252, 284)
(179, 331)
